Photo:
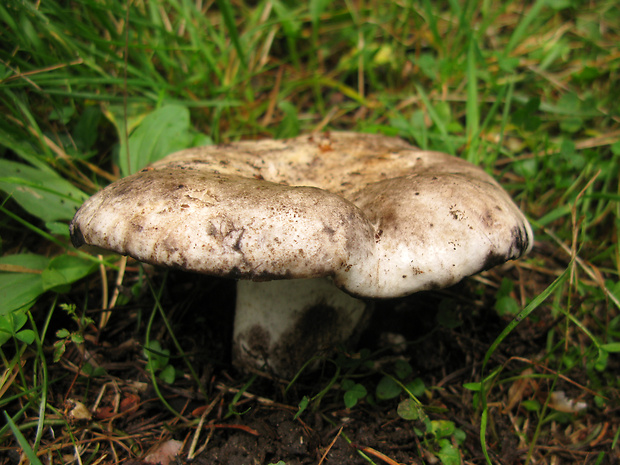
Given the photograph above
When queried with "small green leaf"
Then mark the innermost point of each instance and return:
(613, 347)
(506, 305)
(158, 357)
(77, 338)
(571, 125)
(600, 364)
(508, 64)
(59, 349)
(62, 333)
(459, 435)
(347, 384)
(408, 409)
(168, 374)
(473, 386)
(62, 114)
(427, 62)
(303, 405)
(586, 75)
(527, 116)
(289, 126)
(20, 283)
(402, 369)
(416, 387)
(15, 321)
(531, 405)
(91, 371)
(27, 336)
(387, 389)
(353, 394)
(442, 428)
(448, 453)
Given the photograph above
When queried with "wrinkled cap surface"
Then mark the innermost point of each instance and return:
(382, 218)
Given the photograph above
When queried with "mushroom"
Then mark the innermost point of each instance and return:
(312, 227)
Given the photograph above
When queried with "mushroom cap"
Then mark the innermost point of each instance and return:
(382, 218)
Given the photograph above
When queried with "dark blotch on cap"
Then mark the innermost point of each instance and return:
(77, 238)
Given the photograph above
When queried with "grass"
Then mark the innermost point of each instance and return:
(529, 90)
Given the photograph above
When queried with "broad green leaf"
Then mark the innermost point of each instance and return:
(43, 194)
(24, 277)
(20, 281)
(57, 228)
(160, 133)
(64, 270)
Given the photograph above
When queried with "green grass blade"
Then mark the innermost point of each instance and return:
(523, 28)
(229, 20)
(472, 106)
(533, 305)
(436, 119)
(21, 440)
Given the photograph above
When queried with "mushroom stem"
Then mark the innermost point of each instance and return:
(280, 325)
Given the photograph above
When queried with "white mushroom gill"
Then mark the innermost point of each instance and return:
(372, 214)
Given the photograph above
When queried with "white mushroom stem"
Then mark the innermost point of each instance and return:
(280, 325)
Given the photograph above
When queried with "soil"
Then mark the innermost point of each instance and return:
(235, 418)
